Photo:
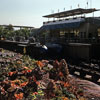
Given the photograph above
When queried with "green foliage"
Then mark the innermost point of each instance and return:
(9, 32)
(23, 32)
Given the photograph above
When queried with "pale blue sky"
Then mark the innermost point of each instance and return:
(30, 12)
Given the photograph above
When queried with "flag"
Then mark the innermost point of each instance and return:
(87, 3)
(78, 5)
(70, 7)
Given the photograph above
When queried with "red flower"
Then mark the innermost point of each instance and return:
(18, 96)
(35, 93)
(61, 74)
(23, 84)
(66, 84)
(10, 73)
(40, 64)
(34, 79)
(25, 67)
(29, 71)
(24, 71)
(38, 83)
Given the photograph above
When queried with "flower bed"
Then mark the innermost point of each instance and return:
(23, 78)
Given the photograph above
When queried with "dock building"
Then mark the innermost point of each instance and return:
(80, 34)
(66, 27)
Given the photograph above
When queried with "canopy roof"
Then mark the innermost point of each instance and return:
(73, 12)
(60, 26)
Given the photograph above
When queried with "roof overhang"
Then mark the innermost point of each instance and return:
(73, 12)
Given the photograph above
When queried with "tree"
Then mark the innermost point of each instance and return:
(1, 31)
(25, 32)
(10, 27)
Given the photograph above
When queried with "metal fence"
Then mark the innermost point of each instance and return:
(69, 40)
